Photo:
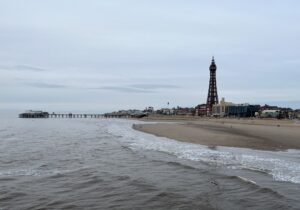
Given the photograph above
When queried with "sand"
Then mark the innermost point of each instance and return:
(254, 134)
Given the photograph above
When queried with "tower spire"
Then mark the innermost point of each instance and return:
(213, 60)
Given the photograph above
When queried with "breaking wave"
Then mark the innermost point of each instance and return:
(284, 166)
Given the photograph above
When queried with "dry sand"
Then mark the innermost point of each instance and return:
(255, 134)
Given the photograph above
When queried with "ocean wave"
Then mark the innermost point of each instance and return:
(246, 180)
(31, 172)
(280, 165)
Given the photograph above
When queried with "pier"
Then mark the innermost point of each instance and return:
(41, 114)
(70, 115)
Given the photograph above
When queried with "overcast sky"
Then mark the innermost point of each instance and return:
(104, 55)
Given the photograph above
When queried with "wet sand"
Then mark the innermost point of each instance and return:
(254, 134)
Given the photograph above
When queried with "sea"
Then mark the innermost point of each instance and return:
(105, 164)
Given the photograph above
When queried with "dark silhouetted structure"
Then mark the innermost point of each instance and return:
(34, 114)
(212, 97)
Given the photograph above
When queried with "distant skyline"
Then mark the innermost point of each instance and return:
(109, 55)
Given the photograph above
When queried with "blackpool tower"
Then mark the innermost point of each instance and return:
(212, 96)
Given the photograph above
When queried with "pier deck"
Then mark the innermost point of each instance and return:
(40, 114)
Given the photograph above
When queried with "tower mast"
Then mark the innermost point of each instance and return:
(212, 96)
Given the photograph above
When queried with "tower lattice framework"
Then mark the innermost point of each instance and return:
(212, 96)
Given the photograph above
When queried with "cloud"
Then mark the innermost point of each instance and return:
(46, 85)
(106, 52)
(138, 88)
(125, 89)
(154, 86)
(22, 67)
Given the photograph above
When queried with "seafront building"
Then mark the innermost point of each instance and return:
(270, 114)
(296, 114)
(200, 110)
(221, 109)
(229, 109)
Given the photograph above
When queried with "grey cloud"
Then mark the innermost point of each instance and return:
(22, 67)
(138, 88)
(29, 68)
(125, 89)
(154, 86)
(46, 85)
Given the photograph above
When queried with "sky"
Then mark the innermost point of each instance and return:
(100, 56)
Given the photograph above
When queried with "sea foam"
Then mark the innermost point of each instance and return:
(283, 166)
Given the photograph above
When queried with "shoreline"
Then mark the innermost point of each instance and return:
(250, 121)
(272, 135)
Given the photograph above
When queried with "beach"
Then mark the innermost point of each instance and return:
(244, 133)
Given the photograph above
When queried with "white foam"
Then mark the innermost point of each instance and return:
(31, 172)
(247, 180)
(283, 166)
